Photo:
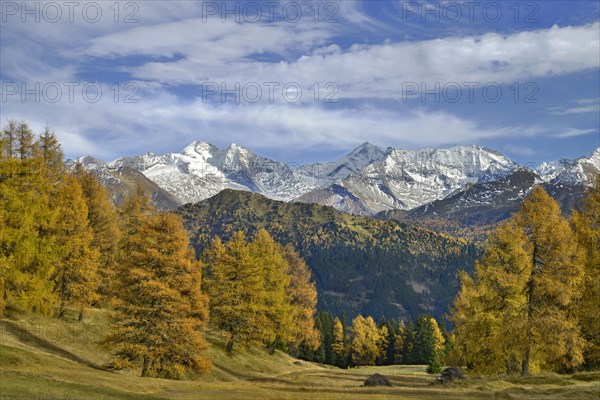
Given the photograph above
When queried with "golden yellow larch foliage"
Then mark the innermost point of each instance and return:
(302, 293)
(234, 283)
(339, 340)
(587, 228)
(516, 314)
(161, 312)
(103, 220)
(75, 277)
(367, 341)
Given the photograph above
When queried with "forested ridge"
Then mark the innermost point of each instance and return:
(361, 265)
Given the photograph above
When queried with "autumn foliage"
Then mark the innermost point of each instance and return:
(529, 305)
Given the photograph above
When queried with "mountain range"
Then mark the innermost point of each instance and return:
(367, 181)
(419, 215)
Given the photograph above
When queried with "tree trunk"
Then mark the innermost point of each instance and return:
(530, 310)
(525, 363)
(61, 313)
(145, 367)
(273, 345)
(229, 347)
(80, 315)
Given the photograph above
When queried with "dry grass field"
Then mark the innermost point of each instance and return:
(43, 358)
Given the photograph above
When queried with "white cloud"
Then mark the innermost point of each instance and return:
(522, 151)
(585, 106)
(164, 123)
(573, 132)
(361, 71)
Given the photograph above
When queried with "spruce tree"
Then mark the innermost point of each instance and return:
(425, 345)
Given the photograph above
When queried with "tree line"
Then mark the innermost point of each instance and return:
(365, 342)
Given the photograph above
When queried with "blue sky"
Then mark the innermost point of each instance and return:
(303, 81)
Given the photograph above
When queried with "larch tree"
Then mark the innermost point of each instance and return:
(587, 227)
(234, 284)
(50, 152)
(399, 339)
(132, 211)
(27, 247)
(302, 293)
(517, 311)
(103, 220)
(75, 277)
(368, 342)
(161, 311)
(339, 345)
(275, 305)
(25, 140)
(3, 270)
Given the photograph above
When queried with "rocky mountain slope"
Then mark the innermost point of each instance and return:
(122, 182)
(406, 179)
(367, 181)
(477, 208)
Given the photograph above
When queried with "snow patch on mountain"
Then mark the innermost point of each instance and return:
(581, 170)
(368, 180)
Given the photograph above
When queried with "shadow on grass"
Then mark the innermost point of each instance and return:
(26, 337)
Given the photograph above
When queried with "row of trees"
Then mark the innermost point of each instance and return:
(50, 253)
(533, 300)
(531, 304)
(64, 245)
(260, 292)
(388, 342)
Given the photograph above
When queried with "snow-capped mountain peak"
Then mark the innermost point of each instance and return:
(580, 170)
(405, 179)
(367, 180)
(324, 174)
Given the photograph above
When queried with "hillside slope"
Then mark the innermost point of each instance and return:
(360, 264)
(50, 359)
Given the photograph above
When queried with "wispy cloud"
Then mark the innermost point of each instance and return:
(575, 132)
(519, 150)
(361, 71)
(586, 106)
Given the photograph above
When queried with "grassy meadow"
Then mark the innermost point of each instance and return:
(42, 358)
